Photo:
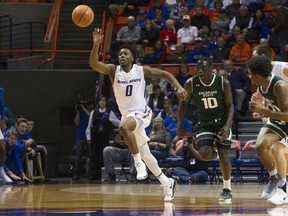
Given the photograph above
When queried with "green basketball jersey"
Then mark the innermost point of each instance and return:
(280, 127)
(270, 98)
(209, 99)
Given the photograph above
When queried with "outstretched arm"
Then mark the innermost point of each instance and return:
(156, 72)
(94, 63)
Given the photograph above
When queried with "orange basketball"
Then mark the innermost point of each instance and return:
(82, 16)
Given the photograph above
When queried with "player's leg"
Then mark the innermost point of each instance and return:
(225, 167)
(223, 147)
(206, 150)
(266, 138)
(168, 184)
(280, 196)
(280, 160)
(126, 128)
(204, 143)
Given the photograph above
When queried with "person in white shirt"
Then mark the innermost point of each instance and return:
(188, 33)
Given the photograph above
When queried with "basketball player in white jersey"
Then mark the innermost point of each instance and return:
(129, 89)
(279, 69)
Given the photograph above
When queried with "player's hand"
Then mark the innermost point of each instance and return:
(255, 107)
(97, 36)
(258, 98)
(224, 133)
(181, 93)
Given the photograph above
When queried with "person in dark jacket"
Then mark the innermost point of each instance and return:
(241, 83)
(149, 34)
(97, 134)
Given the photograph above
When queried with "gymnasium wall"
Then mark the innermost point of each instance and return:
(49, 97)
(26, 12)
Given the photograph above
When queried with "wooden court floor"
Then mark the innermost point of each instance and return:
(64, 197)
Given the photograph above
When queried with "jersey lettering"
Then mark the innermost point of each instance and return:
(129, 89)
(210, 103)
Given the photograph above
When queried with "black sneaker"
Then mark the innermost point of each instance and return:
(111, 178)
(269, 191)
(226, 196)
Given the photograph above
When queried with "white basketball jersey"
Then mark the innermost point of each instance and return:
(129, 89)
(278, 68)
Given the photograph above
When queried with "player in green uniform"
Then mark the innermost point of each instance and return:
(212, 95)
(279, 69)
(275, 91)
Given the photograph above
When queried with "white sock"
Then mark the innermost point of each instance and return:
(163, 179)
(137, 158)
(273, 172)
(152, 164)
(227, 184)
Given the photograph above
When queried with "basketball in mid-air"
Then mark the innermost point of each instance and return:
(82, 15)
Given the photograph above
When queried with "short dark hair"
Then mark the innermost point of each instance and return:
(125, 46)
(263, 49)
(260, 65)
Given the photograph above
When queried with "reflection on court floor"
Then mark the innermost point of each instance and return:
(122, 199)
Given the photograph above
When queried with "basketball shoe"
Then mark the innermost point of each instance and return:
(226, 196)
(269, 191)
(279, 198)
(141, 171)
(4, 177)
(169, 190)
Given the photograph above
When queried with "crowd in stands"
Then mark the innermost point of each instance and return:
(190, 29)
(19, 144)
(182, 31)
